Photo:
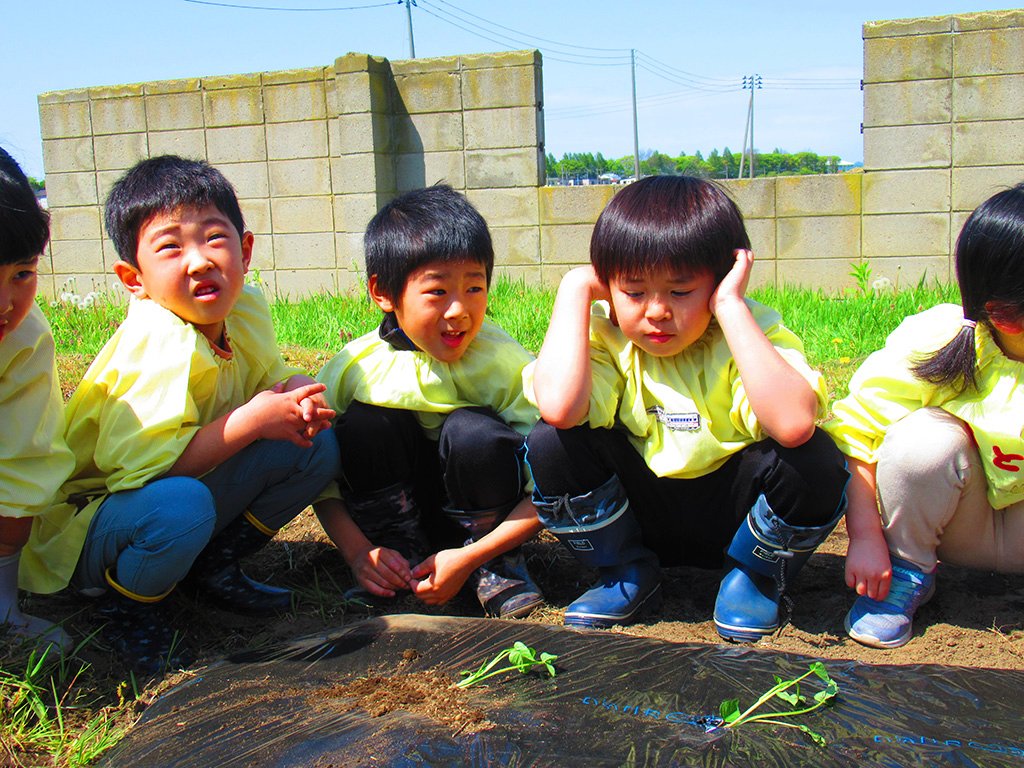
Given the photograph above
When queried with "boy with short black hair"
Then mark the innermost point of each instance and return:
(432, 418)
(678, 416)
(194, 442)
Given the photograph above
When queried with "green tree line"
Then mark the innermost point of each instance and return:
(717, 165)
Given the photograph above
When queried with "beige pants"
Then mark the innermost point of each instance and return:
(932, 495)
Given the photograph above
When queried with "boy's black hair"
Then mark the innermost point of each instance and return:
(990, 273)
(431, 224)
(161, 185)
(668, 222)
(24, 226)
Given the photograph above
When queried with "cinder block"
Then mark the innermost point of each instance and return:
(84, 282)
(73, 256)
(516, 245)
(295, 102)
(523, 58)
(925, 234)
(349, 282)
(763, 274)
(506, 207)
(301, 214)
(359, 133)
(573, 205)
(989, 98)
(762, 238)
(755, 197)
(428, 92)
(971, 186)
(348, 250)
(929, 25)
(119, 150)
(427, 65)
(231, 82)
(66, 189)
(110, 257)
(294, 284)
(500, 128)
(820, 237)
(906, 191)
(910, 146)
(304, 75)
(829, 274)
(286, 141)
(551, 274)
(119, 114)
(289, 178)
(565, 243)
(256, 213)
(305, 251)
(359, 92)
(989, 52)
(249, 179)
(233, 106)
(832, 195)
(104, 181)
(956, 223)
(60, 97)
(239, 144)
(353, 212)
(907, 271)
(908, 103)
(174, 111)
(999, 142)
(190, 143)
(527, 275)
(263, 253)
(504, 168)
(506, 86)
(421, 170)
(362, 173)
(64, 119)
(68, 155)
(970, 22)
(429, 132)
(916, 57)
(79, 223)
(162, 87)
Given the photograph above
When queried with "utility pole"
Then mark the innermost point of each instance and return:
(636, 135)
(412, 43)
(752, 82)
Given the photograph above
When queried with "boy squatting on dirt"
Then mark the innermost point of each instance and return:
(678, 416)
(193, 441)
(34, 459)
(432, 419)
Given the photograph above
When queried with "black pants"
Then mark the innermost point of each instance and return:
(475, 465)
(691, 522)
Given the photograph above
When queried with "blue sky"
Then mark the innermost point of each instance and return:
(692, 57)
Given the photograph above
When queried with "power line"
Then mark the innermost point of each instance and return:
(292, 8)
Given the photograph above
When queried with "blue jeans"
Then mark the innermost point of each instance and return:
(150, 536)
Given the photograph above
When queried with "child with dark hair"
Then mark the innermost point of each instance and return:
(678, 416)
(34, 460)
(934, 431)
(432, 419)
(194, 442)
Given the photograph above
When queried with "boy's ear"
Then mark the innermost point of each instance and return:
(131, 278)
(248, 240)
(1005, 318)
(380, 298)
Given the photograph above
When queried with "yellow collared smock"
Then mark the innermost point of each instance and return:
(34, 460)
(489, 373)
(154, 384)
(884, 390)
(688, 413)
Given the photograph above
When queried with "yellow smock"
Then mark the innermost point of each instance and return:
(686, 414)
(884, 390)
(154, 384)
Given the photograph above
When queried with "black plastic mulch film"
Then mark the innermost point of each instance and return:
(616, 701)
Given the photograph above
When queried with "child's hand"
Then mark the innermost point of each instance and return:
(381, 571)
(315, 410)
(280, 415)
(868, 567)
(734, 285)
(440, 577)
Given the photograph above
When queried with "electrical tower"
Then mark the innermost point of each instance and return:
(751, 82)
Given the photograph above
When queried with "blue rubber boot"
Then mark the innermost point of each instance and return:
(502, 585)
(600, 530)
(768, 554)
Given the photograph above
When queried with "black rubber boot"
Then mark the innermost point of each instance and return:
(502, 585)
(217, 576)
(139, 632)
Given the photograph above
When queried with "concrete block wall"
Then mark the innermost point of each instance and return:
(314, 153)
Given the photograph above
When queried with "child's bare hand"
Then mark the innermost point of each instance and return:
(381, 571)
(734, 285)
(316, 414)
(440, 577)
(280, 415)
(585, 278)
(868, 568)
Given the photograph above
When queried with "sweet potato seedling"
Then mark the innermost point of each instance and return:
(520, 656)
